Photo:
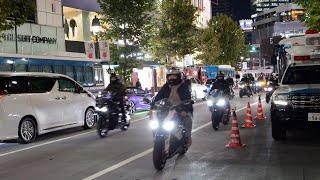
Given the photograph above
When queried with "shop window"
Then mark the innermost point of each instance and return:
(35, 68)
(6, 67)
(58, 69)
(88, 74)
(69, 71)
(47, 68)
(79, 74)
(98, 76)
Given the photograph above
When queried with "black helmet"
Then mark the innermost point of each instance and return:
(220, 76)
(177, 73)
(113, 77)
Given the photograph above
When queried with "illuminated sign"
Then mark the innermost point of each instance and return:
(246, 24)
(28, 38)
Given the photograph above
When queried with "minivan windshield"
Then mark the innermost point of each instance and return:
(302, 75)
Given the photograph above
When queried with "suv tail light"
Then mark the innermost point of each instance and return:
(301, 58)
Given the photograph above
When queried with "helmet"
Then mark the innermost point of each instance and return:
(113, 77)
(220, 76)
(177, 73)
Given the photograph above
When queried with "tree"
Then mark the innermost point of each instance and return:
(312, 14)
(222, 42)
(176, 35)
(15, 13)
(128, 22)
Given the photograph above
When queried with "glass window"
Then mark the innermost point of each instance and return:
(41, 84)
(21, 67)
(47, 69)
(13, 85)
(58, 69)
(98, 76)
(297, 75)
(79, 74)
(69, 71)
(34, 68)
(89, 75)
(6, 67)
(66, 85)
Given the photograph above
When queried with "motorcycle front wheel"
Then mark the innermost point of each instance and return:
(215, 118)
(102, 128)
(159, 154)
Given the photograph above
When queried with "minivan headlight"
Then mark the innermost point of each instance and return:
(280, 100)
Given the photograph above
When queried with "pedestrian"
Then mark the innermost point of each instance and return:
(138, 84)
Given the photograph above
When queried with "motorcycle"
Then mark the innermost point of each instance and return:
(108, 115)
(272, 86)
(245, 89)
(169, 132)
(219, 107)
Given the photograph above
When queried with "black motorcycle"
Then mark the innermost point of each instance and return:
(109, 116)
(245, 89)
(219, 107)
(272, 86)
(169, 132)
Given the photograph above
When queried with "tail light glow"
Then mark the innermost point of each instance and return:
(301, 58)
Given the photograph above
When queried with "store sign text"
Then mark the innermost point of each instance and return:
(28, 38)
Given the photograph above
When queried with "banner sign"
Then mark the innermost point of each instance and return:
(90, 50)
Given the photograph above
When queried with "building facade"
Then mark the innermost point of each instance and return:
(237, 10)
(263, 5)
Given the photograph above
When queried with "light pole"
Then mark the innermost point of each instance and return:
(96, 29)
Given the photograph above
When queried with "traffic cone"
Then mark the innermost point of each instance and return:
(260, 114)
(248, 122)
(235, 141)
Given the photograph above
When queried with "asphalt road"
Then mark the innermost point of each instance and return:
(81, 154)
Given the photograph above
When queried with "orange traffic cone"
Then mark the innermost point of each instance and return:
(260, 114)
(235, 141)
(248, 122)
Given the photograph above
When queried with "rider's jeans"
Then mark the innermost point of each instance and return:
(188, 124)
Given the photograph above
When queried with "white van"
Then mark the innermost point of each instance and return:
(36, 103)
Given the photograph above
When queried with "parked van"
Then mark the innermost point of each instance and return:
(36, 103)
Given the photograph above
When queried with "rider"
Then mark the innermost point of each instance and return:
(119, 92)
(220, 84)
(230, 84)
(177, 90)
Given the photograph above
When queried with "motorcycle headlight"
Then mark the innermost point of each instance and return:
(241, 86)
(154, 124)
(168, 125)
(268, 89)
(258, 84)
(221, 102)
(102, 109)
(280, 100)
(210, 103)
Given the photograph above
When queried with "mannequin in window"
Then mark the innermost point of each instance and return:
(66, 28)
(73, 24)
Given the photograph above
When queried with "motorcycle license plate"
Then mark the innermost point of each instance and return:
(313, 116)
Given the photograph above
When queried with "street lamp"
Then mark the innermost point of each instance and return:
(96, 29)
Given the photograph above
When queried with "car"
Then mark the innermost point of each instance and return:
(37, 103)
(138, 99)
(198, 90)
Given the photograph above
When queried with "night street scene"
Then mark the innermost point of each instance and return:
(159, 89)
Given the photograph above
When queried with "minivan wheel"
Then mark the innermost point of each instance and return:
(89, 121)
(27, 131)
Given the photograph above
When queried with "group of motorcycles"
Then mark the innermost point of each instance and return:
(168, 127)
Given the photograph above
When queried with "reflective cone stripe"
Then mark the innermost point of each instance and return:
(234, 141)
(248, 120)
(260, 114)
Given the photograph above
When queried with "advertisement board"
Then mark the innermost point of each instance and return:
(104, 50)
(90, 50)
(246, 24)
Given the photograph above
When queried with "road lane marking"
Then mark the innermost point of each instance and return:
(57, 140)
(144, 153)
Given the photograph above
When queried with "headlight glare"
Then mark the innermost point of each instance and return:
(102, 109)
(154, 124)
(168, 125)
(221, 102)
(210, 103)
(281, 102)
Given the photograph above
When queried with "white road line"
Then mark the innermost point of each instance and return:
(144, 153)
(57, 140)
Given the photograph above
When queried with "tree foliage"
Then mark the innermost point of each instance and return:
(312, 17)
(127, 21)
(176, 36)
(15, 12)
(222, 42)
